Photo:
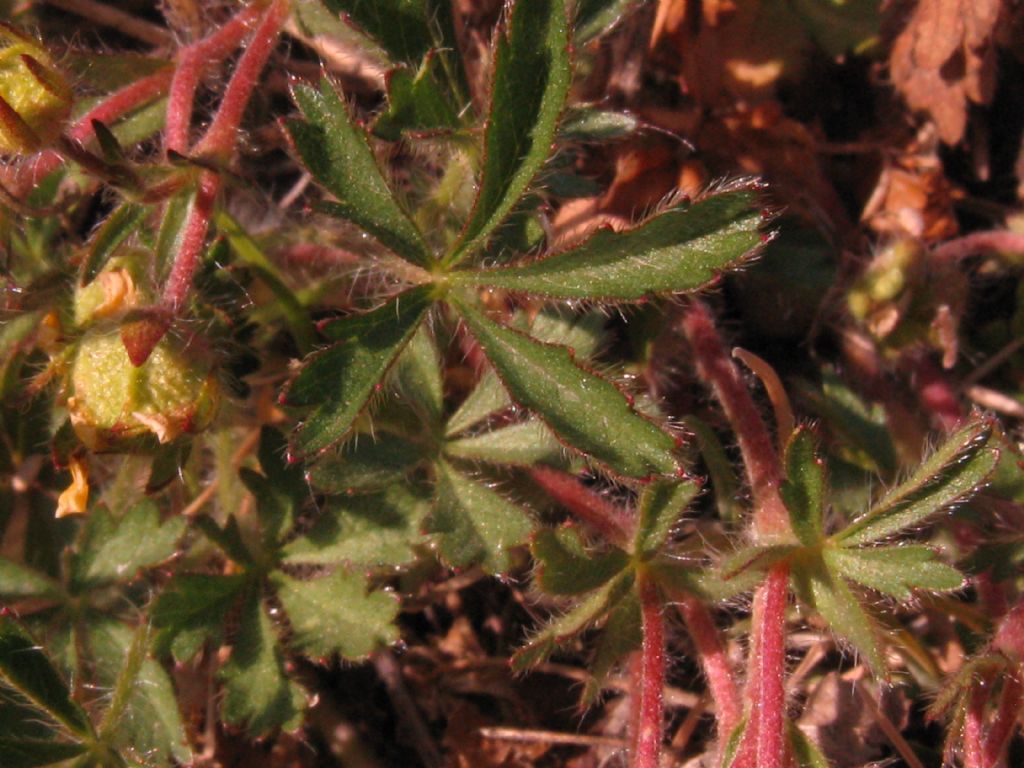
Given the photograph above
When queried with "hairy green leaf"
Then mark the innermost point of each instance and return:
(18, 582)
(35, 753)
(401, 27)
(341, 379)
(591, 124)
(416, 102)
(720, 470)
(566, 567)
(367, 463)
(679, 250)
(757, 558)
(531, 80)
(418, 374)
(336, 152)
(806, 752)
(475, 524)
(803, 490)
(594, 17)
(661, 505)
(487, 397)
(116, 228)
(336, 614)
(894, 570)
(524, 444)
(191, 610)
(27, 670)
(622, 634)
(585, 410)
(951, 474)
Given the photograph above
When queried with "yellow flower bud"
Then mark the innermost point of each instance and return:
(35, 99)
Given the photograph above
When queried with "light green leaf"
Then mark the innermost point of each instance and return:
(114, 549)
(951, 474)
(566, 567)
(27, 670)
(191, 610)
(474, 523)
(364, 530)
(531, 80)
(336, 614)
(18, 582)
(341, 379)
(894, 570)
(681, 249)
(661, 505)
(257, 691)
(524, 444)
(337, 154)
(594, 17)
(806, 752)
(585, 410)
(487, 397)
(592, 124)
(803, 490)
(418, 374)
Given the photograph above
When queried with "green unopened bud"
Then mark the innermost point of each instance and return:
(35, 99)
(115, 405)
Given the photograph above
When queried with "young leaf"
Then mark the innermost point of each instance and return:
(565, 567)
(335, 614)
(191, 610)
(117, 228)
(364, 530)
(660, 508)
(524, 444)
(341, 379)
(894, 570)
(476, 525)
(591, 124)
(257, 692)
(679, 250)
(114, 549)
(585, 410)
(26, 669)
(531, 80)
(952, 473)
(336, 152)
(803, 490)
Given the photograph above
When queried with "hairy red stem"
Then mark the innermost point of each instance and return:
(1011, 700)
(650, 712)
(187, 260)
(974, 730)
(222, 134)
(979, 242)
(611, 521)
(714, 661)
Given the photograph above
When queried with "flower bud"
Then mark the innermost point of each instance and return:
(35, 99)
(115, 405)
(119, 288)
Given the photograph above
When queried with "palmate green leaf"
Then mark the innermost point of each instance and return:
(566, 567)
(583, 409)
(951, 474)
(341, 379)
(337, 154)
(561, 628)
(531, 80)
(622, 634)
(116, 228)
(18, 582)
(524, 444)
(661, 505)
(895, 570)
(115, 548)
(25, 669)
(191, 610)
(680, 249)
(367, 530)
(367, 463)
(336, 614)
(842, 611)
(35, 753)
(279, 491)
(803, 490)
(475, 524)
(257, 691)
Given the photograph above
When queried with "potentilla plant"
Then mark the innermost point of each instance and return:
(446, 395)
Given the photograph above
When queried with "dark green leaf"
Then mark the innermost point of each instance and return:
(894, 570)
(418, 374)
(191, 610)
(337, 154)
(720, 471)
(35, 753)
(622, 634)
(229, 538)
(566, 567)
(116, 228)
(336, 614)
(177, 212)
(416, 102)
(661, 505)
(585, 410)
(594, 17)
(367, 463)
(26, 669)
(475, 524)
(524, 444)
(952, 473)
(803, 490)
(18, 582)
(401, 27)
(341, 379)
(257, 692)
(561, 628)
(806, 752)
(114, 549)
(487, 397)
(531, 80)
(364, 530)
(681, 249)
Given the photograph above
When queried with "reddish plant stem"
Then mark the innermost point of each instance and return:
(979, 242)
(974, 729)
(222, 134)
(759, 457)
(1011, 700)
(187, 260)
(193, 60)
(714, 661)
(650, 712)
(609, 520)
(937, 396)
